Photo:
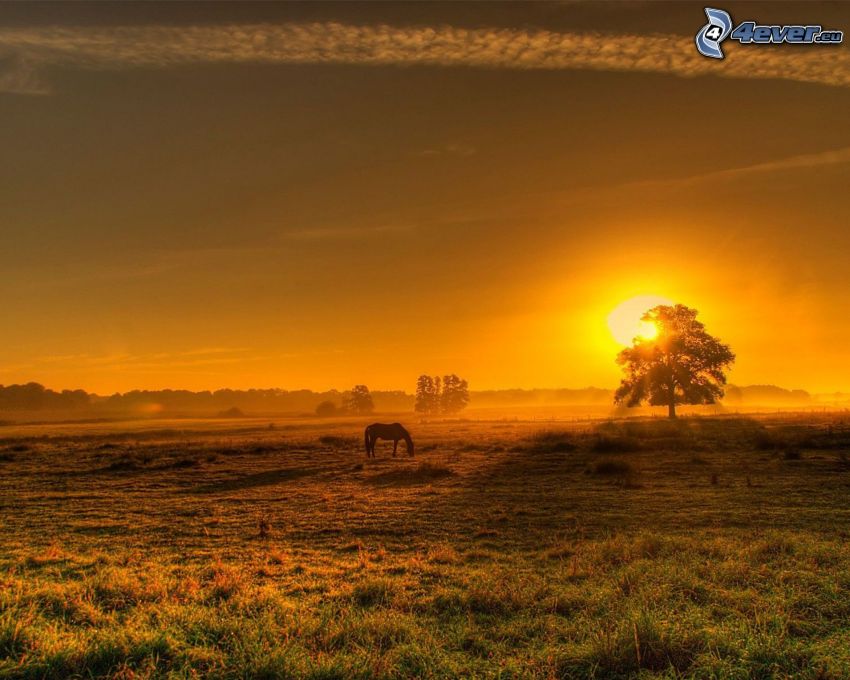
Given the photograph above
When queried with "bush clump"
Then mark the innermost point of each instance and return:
(553, 441)
(338, 442)
(613, 467)
(615, 444)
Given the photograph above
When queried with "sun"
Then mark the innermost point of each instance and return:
(625, 322)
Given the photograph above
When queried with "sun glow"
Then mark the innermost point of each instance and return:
(625, 321)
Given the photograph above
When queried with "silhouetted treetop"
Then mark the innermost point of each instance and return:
(449, 394)
(359, 400)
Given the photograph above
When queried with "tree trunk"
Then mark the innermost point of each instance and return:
(671, 395)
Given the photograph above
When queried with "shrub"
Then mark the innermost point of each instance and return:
(607, 444)
(184, 462)
(554, 441)
(232, 412)
(327, 409)
(122, 465)
(613, 467)
(764, 441)
(338, 442)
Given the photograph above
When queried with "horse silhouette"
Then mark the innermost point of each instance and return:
(394, 431)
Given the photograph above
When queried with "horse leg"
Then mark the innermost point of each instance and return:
(395, 447)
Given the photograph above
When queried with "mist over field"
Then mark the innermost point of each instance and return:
(33, 402)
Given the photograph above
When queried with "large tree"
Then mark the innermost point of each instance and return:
(455, 394)
(682, 364)
(449, 395)
(359, 400)
(427, 395)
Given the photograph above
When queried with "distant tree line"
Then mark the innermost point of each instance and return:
(35, 397)
(431, 399)
(356, 401)
(447, 396)
(434, 395)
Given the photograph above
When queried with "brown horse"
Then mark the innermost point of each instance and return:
(394, 431)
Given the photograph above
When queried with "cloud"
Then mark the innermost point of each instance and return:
(460, 150)
(356, 232)
(20, 76)
(809, 160)
(124, 361)
(602, 192)
(335, 43)
(800, 161)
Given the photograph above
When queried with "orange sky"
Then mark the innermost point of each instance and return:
(175, 215)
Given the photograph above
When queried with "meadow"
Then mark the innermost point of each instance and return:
(709, 547)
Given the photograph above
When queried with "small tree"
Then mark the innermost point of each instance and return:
(427, 395)
(455, 395)
(683, 364)
(326, 409)
(359, 400)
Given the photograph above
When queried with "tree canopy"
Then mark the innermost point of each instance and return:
(359, 400)
(447, 395)
(683, 364)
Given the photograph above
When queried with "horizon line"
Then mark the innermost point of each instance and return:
(809, 392)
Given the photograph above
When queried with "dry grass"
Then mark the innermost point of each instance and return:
(197, 551)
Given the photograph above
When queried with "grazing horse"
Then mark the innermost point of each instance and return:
(394, 431)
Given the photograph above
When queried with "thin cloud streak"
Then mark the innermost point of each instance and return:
(202, 356)
(341, 233)
(800, 161)
(335, 43)
(809, 160)
(607, 191)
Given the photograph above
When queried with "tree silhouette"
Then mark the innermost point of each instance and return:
(359, 401)
(435, 395)
(427, 395)
(326, 409)
(455, 395)
(683, 364)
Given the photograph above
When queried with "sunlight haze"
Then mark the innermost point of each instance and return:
(180, 219)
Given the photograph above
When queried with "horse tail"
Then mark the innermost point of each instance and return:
(366, 439)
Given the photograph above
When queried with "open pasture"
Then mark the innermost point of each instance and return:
(707, 547)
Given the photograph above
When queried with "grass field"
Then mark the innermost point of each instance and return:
(708, 547)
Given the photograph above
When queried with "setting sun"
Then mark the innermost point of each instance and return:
(625, 321)
(648, 330)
